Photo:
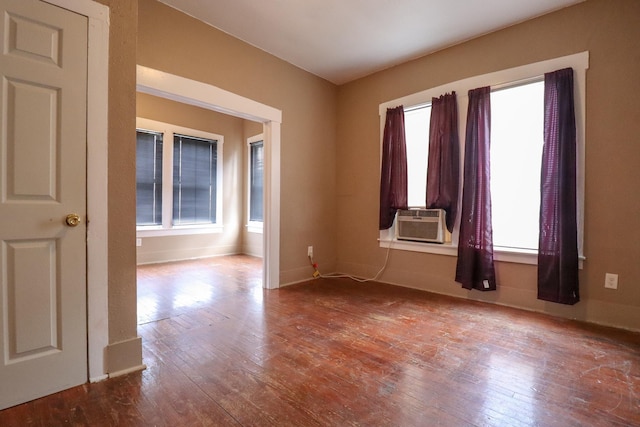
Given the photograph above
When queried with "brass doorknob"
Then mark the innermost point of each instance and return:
(72, 220)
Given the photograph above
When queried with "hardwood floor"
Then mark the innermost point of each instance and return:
(221, 351)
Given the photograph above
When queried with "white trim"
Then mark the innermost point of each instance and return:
(96, 12)
(138, 368)
(192, 92)
(497, 78)
(178, 230)
(499, 254)
(99, 378)
(255, 227)
(271, 224)
(579, 62)
(518, 256)
(97, 197)
(255, 138)
(97, 186)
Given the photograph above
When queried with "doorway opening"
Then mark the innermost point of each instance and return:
(191, 92)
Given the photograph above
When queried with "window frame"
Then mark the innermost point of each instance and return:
(253, 226)
(167, 228)
(497, 80)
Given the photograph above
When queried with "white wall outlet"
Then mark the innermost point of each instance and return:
(310, 251)
(611, 281)
(138, 242)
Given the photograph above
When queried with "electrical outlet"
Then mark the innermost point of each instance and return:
(611, 281)
(310, 251)
(138, 242)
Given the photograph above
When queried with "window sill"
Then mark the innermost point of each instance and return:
(432, 248)
(501, 254)
(179, 230)
(255, 227)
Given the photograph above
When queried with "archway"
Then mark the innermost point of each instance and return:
(187, 91)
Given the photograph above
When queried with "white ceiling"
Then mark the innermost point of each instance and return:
(342, 40)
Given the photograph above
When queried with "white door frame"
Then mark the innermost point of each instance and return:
(97, 199)
(187, 91)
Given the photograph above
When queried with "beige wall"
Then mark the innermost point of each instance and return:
(610, 32)
(178, 44)
(124, 346)
(124, 349)
(180, 247)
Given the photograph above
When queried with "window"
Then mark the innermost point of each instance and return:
(178, 180)
(256, 183)
(517, 129)
(516, 152)
(148, 178)
(195, 162)
(256, 172)
(416, 127)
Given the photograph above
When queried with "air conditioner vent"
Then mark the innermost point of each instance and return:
(420, 213)
(422, 225)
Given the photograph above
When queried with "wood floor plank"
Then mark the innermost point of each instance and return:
(222, 351)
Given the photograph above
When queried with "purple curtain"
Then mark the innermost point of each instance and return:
(443, 169)
(558, 241)
(393, 180)
(475, 269)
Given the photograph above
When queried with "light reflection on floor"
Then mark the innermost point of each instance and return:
(185, 286)
(258, 294)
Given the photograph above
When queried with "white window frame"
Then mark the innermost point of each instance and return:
(580, 63)
(252, 226)
(167, 228)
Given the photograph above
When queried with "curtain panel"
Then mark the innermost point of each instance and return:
(444, 157)
(475, 268)
(558, 241)
(393, 179)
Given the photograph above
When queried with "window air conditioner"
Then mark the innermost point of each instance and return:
(423, 225)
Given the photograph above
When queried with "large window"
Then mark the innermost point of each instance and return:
(516, 151)
(179, 179)
(195, 163)
(516, 154)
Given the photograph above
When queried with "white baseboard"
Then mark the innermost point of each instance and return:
(128, 371)
(98, 378)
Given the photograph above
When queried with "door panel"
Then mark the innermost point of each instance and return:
(43, 66)
(31, 141)
(33, 39)
(32, 322)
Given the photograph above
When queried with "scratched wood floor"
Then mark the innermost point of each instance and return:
(221, 351)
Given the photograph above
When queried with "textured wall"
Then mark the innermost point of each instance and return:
(609, 31)
(122, 111)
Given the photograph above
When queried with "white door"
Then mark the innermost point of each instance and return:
(43, 93)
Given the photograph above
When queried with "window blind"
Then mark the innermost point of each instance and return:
(194, 180)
